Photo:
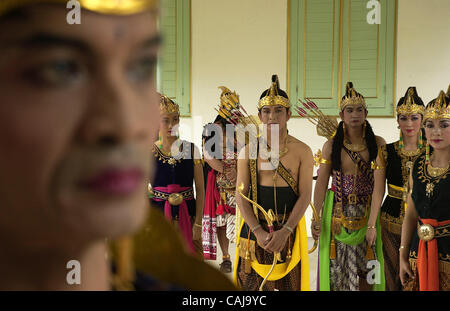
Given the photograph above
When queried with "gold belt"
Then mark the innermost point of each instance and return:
(174, 199)
(427, 232)
(231, 190)
(396, 191)
(389, 223)
(353, 223)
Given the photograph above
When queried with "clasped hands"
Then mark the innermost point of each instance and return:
(273, 242)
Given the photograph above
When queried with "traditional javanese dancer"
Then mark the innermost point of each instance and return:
(348, 156)
(396, 159)
(221, 172)
(425, 241)
(272, 249)
(178, 168)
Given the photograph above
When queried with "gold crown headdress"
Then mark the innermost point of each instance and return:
(438, 108)
(166, 105)
(272, 97)
(351, 97)
(113, 7)
(407, 104)
(326, 126)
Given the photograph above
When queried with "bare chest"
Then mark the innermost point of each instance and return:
(266, 172)
(348, 165)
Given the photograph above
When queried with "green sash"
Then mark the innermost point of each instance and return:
(353, 238)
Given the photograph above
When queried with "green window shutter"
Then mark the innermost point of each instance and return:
(368, 55)
(314, 48)
(331, 36)
(173, 77)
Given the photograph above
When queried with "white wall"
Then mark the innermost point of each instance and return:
(241, 43)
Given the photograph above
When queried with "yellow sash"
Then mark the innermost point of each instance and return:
(299, 251)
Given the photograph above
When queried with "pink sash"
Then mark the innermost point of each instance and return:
(184, 222)
(209, 222)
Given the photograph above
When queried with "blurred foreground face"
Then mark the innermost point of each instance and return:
(77, 119)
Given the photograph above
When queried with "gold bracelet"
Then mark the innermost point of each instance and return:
(371, 227)
(401, 247)
(198, 225)
(199, 161)
(255, 227)
(375, 166)
(288, 228)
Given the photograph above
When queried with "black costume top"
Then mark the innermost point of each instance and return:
(179, 170)
(398, 165)
(431, 196)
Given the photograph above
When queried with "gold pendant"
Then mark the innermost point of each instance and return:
(409, 165)
(172, 161)
(429, 189)
(436, 171)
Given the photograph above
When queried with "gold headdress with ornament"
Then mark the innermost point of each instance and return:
(438, 108)
(351, 97)
(166, 105)
(110, 7)
(272, 96)
(233, 112)
(229, 104)
(411, 103)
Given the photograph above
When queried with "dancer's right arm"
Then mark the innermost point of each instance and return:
(377, 197)
(321, 186)
(243, 176)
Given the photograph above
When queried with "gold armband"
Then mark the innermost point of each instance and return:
(319, 160)
(324, 161)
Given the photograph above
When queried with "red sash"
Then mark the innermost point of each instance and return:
(427, 260)
(183, 214)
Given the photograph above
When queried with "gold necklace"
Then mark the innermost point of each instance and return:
(437, 171)
(410, 153)
(355, 147)
(165, 157)
(280, 153)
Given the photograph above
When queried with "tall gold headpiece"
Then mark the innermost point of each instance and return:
(351, 97)
(229, 104)
(166, 105)
(273, 98)
(111, 7)
(438, 108)
(408, 105)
